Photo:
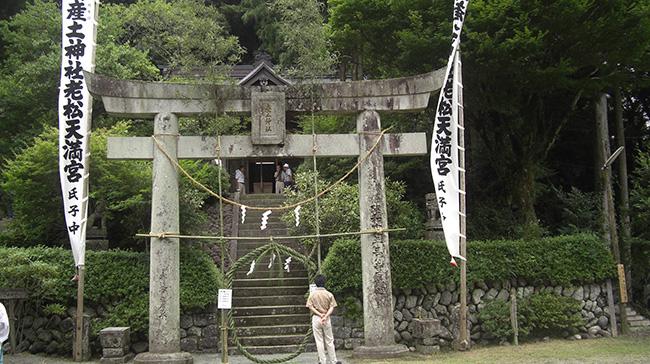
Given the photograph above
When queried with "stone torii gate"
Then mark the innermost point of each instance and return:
(165, 102)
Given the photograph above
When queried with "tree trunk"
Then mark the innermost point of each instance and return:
(525, 190)
(624, 195)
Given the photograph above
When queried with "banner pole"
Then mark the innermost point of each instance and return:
(78, 343)
(464, 343)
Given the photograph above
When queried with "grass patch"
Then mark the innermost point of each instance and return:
(617, 350)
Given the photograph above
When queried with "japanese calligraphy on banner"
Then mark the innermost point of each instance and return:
(79, 26)
(444, 144)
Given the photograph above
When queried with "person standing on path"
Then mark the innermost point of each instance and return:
(321, 303)
(4, 328)
(287, 176)
(241, 180)
(279, 179)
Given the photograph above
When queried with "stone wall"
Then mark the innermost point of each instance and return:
(52, 334)
(441, 302)
(200, 330)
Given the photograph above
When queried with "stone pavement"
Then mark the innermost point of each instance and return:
(306, 358)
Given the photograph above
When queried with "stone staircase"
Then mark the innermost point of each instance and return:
(637, 323)
(269, 304)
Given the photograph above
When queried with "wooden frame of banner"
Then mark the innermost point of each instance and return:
(463, 337)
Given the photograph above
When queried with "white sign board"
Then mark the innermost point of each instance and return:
(225, 299)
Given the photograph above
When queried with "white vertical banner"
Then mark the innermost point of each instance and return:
(444, 143)
(79, 28)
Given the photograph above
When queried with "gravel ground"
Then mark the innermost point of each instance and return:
(307, 358)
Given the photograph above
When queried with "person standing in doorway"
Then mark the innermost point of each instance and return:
(241, 180)
(279, 178)
(321, 303)
(4, 328)
(288, 176)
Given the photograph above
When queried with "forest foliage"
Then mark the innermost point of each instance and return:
(531, 72)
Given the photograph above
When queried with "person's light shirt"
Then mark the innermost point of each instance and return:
(239, 176)
(288, 175)
(4, 324)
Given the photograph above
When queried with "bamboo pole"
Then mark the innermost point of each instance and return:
(224, 317)
(624, 194)
(293, 237)
(609, 219)
(513, 316)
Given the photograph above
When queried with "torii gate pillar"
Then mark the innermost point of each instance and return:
(379, 339)
(164, 272)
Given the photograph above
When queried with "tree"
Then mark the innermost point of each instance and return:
(378, 38)
(304, 51)
(29, 74)
(339, 208)
(532, 63)
(132, 41)
(179, 35)
(124, 187)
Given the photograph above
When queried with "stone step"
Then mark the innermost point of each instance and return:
(296, 329)
(258, 233)
(268, 301)
(635, 317)
(270, 310)
(256, 215)
(241, 251)
(273, 340)
(258, 241)
(271, 282)
(275, 273)
(255, 226)
(264, 202)
(276, 349)
(258, 196)
(262, 265)
(639, 323)
(270, 291)
(262, 320)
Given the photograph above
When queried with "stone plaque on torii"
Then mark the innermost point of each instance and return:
(164, 102)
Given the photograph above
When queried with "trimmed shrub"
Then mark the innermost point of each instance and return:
(562, 260)
(119, 280)
(495, 319)
(540, 314)
(550, 314)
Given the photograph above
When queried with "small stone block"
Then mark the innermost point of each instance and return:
(123, 359)
(429, 341)
(425, 328)
(115, 337)
(113, 352)
(427, 349)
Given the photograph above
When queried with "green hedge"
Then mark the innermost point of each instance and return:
(119, 280)
(563, 260)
